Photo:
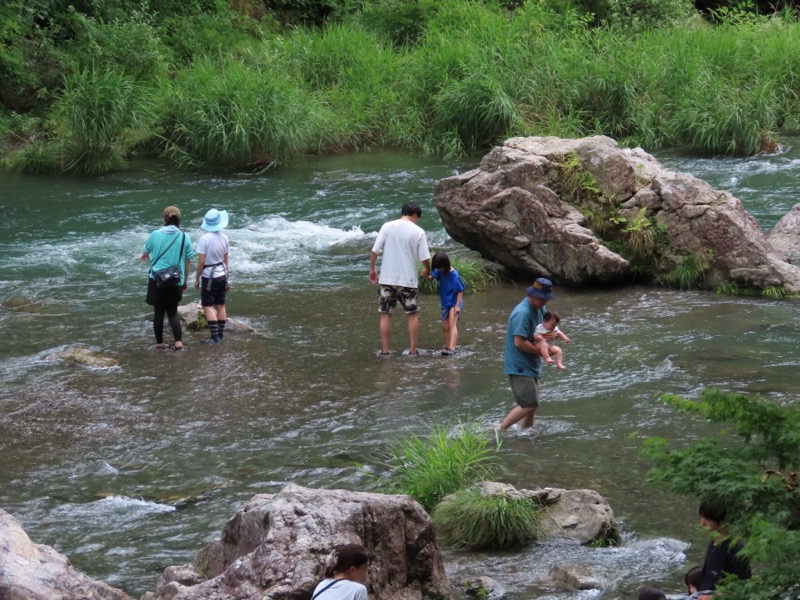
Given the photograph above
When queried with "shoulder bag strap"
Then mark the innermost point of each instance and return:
(331, 584)
(167, 249)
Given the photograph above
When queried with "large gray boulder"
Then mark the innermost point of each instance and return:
(278, 545)
(540, 206)
(582, 516)
(785, 236)
(31, 571)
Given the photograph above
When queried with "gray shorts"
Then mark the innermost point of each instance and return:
(525, 390)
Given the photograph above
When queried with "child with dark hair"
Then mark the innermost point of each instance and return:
(544, 337)
(651, 593)
(345, 579)
(451, 299)
(693, 579)
(722, 554)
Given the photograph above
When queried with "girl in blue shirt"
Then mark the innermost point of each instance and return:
(451, 298)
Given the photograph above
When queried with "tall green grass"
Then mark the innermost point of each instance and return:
(101, 111)
(99, 117)
(450, 458)
(473, 520)
(227, 113)
(356, 76)
(454, 80)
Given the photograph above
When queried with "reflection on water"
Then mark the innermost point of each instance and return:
(132, 469)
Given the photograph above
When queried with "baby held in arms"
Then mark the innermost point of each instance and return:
(544, 338)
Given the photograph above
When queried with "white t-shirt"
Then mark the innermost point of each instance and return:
(214, 245)
(542, 330)
(403, 244)
(343, 589)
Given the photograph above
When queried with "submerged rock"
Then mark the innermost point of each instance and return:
(484, 588)
(586, 212)
(577, 577)
(193, 318)
(84, 357)
(278, 545)
(35, 572)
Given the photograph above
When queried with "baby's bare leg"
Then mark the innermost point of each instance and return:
(556, 351)
(544, 350)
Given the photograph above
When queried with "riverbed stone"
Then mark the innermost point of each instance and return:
(538, 205)
(193, 318)
(577, 577)
(31, 571)
(484, 588)
(85, 357)
(277, 547)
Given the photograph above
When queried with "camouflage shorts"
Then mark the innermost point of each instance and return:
(390, 295)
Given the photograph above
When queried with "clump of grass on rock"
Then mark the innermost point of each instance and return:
(477, 521)
(448, 459)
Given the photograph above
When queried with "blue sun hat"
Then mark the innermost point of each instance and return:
(541, 288)
(215, 220)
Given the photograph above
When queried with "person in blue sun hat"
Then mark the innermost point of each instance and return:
(212, 273)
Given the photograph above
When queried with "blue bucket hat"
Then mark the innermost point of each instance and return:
(215, 220)
(541, 288)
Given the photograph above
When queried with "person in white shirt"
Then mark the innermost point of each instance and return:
(345, 579)
(402, 244)
(212, 271)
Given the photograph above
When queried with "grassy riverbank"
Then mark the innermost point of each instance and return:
(230, 91)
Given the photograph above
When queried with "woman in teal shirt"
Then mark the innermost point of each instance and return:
(166, 247)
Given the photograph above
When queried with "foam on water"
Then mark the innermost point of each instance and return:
(117, 508)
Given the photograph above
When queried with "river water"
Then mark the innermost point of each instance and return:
(94, 462)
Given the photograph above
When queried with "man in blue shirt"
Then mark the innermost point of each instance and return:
(522, 362)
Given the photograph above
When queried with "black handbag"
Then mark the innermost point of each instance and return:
(171, 276)
(168, 277)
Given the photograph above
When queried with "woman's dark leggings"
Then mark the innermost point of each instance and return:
(171, 310)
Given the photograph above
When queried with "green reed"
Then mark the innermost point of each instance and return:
(448, 459)
(227, 113)
(99, 117)
(473, 520)
(355, 74)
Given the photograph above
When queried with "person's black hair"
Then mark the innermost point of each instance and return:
(693, 578)
(651, 593)
(441, 261)
(552, 315)
(411, 208)
(712, 512)
(347, 556)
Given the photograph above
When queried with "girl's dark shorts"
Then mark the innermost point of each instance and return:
(212, 291)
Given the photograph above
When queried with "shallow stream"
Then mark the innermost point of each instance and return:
(93, 462)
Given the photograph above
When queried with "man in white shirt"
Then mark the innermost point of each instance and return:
(403, 244)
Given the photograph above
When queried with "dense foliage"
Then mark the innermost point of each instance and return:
(752, 470)
(237, 83)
